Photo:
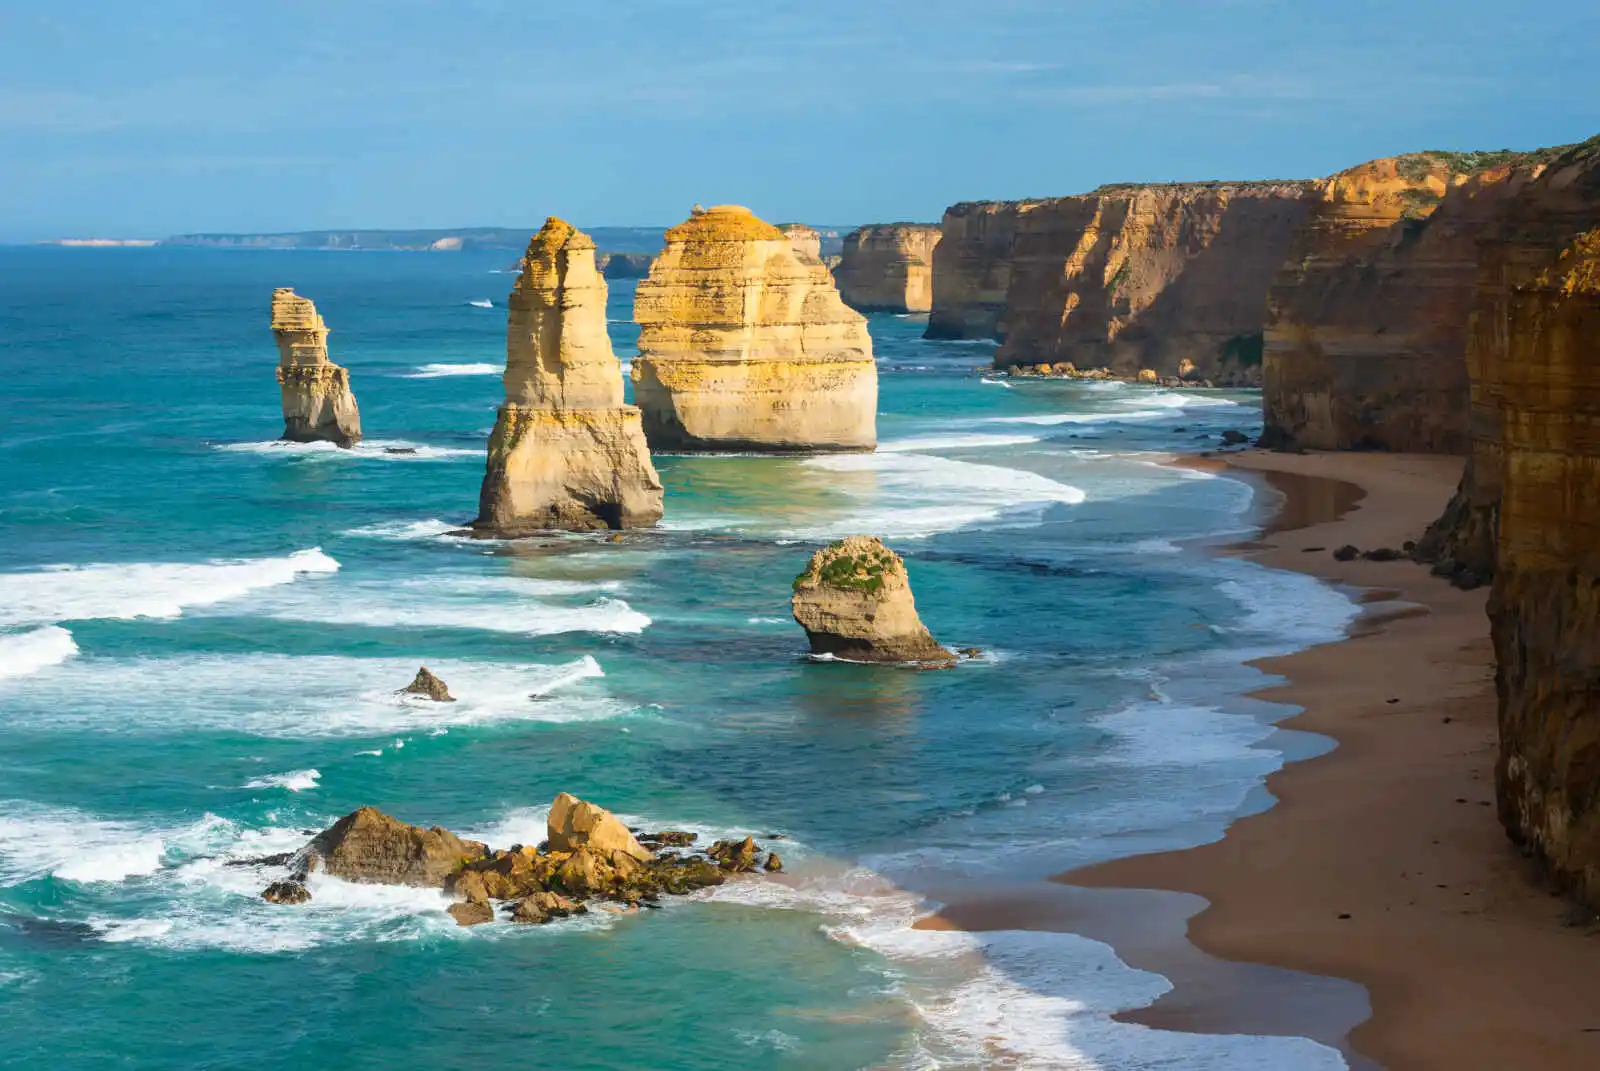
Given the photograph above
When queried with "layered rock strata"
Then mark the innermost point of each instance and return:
(972, 269)
(589, 856)
(566, 453)
(854, 601)
(744, 344)
(1149, 280)
(1367, 329)
(888, 267)
(1536, 344)
(318, 405)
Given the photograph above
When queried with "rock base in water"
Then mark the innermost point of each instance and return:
(854, 601)
(318, 405)
(428, 686)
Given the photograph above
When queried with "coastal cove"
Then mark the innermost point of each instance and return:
(204, 629)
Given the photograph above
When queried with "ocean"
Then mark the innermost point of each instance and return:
(202, 629)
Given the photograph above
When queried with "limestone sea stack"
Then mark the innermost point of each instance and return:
(318, 405)
(745, 344)
(566, 453)
(854, 601)
(888, 267)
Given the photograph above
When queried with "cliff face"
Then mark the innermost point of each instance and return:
(1536, 333)
(318, 405)
(1366, 337)
(888, 267)
(745, 345)
(1169, 278)
(972, 269)
(565, 452)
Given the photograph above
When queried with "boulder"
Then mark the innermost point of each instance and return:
(854, 601)
(541, 907)
(428, 686)
(286, 892)
(575, 823)
(1234, 437)
(471, 913)
(735, 856)
(369, 846)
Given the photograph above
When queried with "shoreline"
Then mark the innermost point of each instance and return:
(1365, 880)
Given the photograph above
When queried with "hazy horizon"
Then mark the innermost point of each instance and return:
(179, 117)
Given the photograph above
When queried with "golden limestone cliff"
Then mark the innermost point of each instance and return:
(1367, 325)
(745, 345)
(318, 405)
(1148, 281)
(972, 269)
(1536, 340)
(805, 241)
(566, 453)
(888, 267)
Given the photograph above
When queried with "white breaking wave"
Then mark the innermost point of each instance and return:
(294, 781)
(437, 371)
(953, 442)
(36, 841)
(331, 696)
(22, 653)
(366, 450)
(1284, 611)
(406, 530)
(1107, 417)
(145, 589)
(481, 303)
(908, 496)
(997, 383)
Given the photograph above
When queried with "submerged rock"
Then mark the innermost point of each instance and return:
(428, 686)
(566, 453)
(854, 601)
(318, 405)
(369, 846)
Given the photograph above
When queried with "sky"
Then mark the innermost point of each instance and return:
(159, 117)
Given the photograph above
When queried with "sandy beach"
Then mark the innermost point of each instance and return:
(1382, 861)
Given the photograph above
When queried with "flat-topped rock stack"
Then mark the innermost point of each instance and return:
(888, 267)
(745, 344)
(566, 453)
(318, 405)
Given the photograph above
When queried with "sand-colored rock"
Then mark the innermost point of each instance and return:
(369, 846)
(1536, 337)
(745, 345)
(888, 267)
(854, 601)
(318, 405)
(1155, 277)
(566, 453)
(575, 823)
(972, 269)
(805, 241)
(427, 685)
(1367, 332)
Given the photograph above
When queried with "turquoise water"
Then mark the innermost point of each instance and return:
(201, 630)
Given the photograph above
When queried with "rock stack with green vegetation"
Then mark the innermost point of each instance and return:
(854, 601)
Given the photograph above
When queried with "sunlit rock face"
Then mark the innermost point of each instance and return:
(745, 344)
(888, 267)
(1367, 330)
(566, 453)
(318, 405)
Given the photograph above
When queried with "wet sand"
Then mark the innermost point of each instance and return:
(1383, 862)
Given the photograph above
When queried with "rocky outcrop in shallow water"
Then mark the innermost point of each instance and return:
(566, 453)
(854, 601)
(589, 856)
(318, 405)
(1366, 338)
(1149, 281)
(745, 345)
(428, 686)
(1535, 345)
(888, 267)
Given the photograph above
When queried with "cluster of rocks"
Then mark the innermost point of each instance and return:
(589, 855)
(1186, 376)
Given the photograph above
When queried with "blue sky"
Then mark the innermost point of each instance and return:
(161, 116)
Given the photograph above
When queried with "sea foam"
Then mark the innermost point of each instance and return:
(439, 371)
(22, 653)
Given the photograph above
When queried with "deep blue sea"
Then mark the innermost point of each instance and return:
(201, 631)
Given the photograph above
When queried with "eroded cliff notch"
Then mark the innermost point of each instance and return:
(566, 453)
(745, 344)
(318, 405)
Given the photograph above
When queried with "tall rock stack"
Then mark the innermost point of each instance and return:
(744, 345)
(1367, 330)
(566, 453)
(888, 267)
(318, 405)
(1536, 334)
(1167, 279)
